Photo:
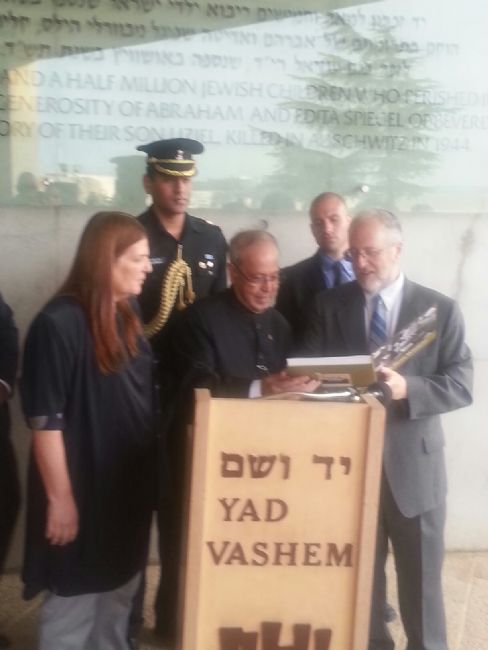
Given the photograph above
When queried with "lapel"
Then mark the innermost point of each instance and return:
(409, 306)
(316, 277)
(414, 304)
(350, 318)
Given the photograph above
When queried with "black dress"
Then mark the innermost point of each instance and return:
(107, 425)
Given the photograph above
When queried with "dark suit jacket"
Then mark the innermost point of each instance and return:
(8, 357)
(9, 480)
(299, 285)
(439, 379)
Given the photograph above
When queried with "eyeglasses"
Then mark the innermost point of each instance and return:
(368, 253)
(258, 280)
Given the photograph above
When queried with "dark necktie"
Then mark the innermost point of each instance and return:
(337, 273)
(377, 326)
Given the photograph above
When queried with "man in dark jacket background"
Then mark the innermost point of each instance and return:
(9, 481)
(329, 267)
(188, 257)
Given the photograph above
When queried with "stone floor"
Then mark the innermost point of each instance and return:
(465, 589)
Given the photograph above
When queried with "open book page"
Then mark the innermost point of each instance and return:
(354, 370)
(322, 394)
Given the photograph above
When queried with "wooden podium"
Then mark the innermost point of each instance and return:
(282, 524)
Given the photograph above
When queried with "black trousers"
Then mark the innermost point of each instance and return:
(170, 522)
(169, 519)
(418, 549)
(170, 515)
(172, 419)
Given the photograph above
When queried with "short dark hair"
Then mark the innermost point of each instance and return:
(324, 196)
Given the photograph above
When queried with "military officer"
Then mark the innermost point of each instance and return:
(188, 257)
(329, 267)
(174, 235)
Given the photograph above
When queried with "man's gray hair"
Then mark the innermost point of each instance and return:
(386, 218)
(244, 240)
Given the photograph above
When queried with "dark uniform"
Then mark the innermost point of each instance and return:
(203, 247)
(201, 244)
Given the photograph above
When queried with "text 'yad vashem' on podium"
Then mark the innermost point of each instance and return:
(282, 524)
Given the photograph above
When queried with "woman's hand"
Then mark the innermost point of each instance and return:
(62, 520)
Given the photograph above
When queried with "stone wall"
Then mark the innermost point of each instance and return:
(444, 251)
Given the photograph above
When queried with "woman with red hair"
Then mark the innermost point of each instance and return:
(87, 396)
